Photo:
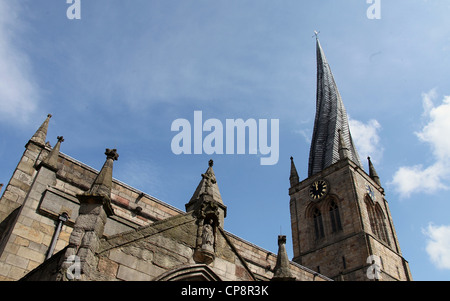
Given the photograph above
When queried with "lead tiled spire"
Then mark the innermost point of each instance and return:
(331, 117)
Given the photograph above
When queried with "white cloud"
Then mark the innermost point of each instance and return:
(411, 179)
(18, 93)
(366, 138)
(417, 178)
(438, 245)
(436, 131)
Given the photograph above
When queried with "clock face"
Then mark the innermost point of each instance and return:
(370, 192)
(318, 189)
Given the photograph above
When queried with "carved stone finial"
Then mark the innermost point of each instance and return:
(281, 240)
(112, 154)
(282, 270)
(211, 163)
(60, 138)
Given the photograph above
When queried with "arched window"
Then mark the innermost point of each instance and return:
(372, 220)
(381, 221)
(335, 218)
(377, 221)
(318, 224)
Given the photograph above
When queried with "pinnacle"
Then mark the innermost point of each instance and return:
(51, 161)
(41, 134)
(101, 188)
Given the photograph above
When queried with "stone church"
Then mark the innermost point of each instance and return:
(63, 220)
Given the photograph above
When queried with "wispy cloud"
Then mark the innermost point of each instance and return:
(438, 245)
(417, 178)
(18, 91)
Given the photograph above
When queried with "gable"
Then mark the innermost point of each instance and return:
(166, 250)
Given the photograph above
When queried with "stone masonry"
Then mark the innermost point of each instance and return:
(119, 234)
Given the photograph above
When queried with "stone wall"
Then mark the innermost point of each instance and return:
(36, 196)
(146, 239)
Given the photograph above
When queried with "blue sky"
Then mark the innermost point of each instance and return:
(119, 77)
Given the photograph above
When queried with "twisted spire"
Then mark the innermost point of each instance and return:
(331, 117)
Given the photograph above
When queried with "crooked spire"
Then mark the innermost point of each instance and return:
(331, 117)
(343, 150)
(41, 134)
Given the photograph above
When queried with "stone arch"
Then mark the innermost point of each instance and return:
(200, 272)
(381, 220)
(333, 208)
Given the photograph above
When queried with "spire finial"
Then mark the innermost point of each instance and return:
(282, 270)
(211, 163)
(112, 154)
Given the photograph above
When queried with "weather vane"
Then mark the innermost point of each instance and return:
(316, 34)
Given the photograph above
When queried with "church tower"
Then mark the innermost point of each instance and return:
(341, 223)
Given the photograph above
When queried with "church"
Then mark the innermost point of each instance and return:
(62, 220)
